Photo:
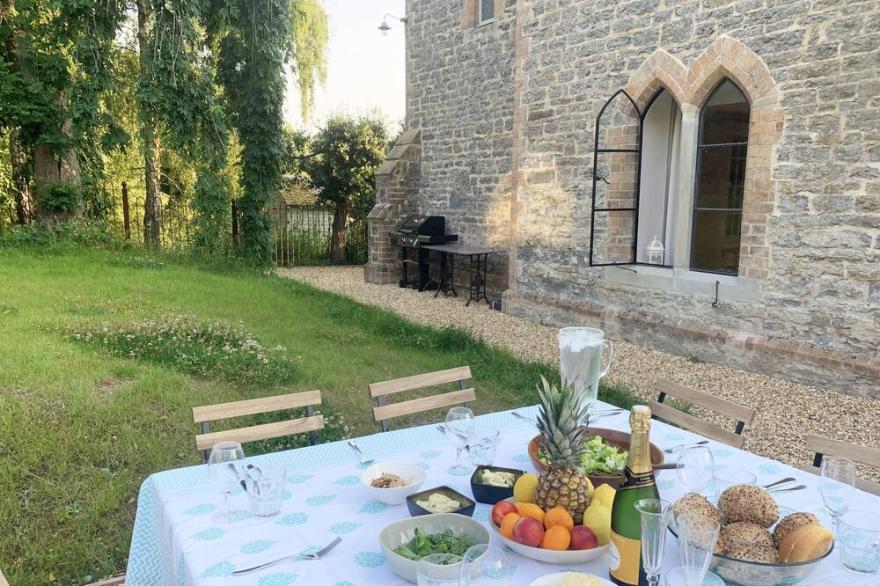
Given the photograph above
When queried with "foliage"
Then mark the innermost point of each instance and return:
(61, 197)
(310, 37)
(347, 153)
(61, 236)
(207, 350)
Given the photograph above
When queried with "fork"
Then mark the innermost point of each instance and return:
(673, 448)
(365, 459)
(296, 557)
(787, 489)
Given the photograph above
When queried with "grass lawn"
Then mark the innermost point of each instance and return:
(80, 427)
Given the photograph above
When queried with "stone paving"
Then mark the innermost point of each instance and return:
(787, 411)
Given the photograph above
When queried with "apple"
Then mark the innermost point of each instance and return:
(501, 509)
(583, 538)
(528, 531)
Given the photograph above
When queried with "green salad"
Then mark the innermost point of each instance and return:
(424, 544)
(600, 457)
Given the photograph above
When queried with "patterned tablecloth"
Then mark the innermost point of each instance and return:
(179, 538)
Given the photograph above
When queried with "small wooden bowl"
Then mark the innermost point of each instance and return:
(618, 439)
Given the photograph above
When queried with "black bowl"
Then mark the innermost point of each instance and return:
(467, 505)
(488, 494)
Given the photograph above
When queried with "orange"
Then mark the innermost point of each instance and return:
(558, 517)
(557, 538)
(507, 524)
(530, 510)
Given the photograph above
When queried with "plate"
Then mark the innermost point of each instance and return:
(550, 579)
(550, 556)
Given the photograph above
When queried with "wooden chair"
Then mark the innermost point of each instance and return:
(742, 415)
(822, 447)
(311, 423)
(382, 412)
(3, 581)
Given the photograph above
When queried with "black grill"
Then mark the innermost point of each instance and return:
(414, 232)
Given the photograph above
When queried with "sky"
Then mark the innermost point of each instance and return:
(365, 70)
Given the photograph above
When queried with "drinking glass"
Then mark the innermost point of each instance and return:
(460, 425)
(858, 536)
(679, 577)
(653, 516)
(484, 565)
(697, 535)
(439, 569)
(724, 479)
(580, 360)
(485, 442)
(265, 488)
(838, 485)
(698, 469)
(221, 467)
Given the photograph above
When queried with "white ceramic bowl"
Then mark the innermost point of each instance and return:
(399, 532)
(556, 578)
(393, 496)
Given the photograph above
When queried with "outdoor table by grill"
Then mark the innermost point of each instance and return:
(478, 257)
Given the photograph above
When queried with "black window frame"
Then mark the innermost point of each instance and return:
(701, 148)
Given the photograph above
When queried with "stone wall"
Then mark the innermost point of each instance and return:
(519, 98)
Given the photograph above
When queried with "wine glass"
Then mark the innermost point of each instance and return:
(653, 518)
(460, 425)
(838, 485)
(697, 535)
(697, 468)
(484, 565)
(222, 469)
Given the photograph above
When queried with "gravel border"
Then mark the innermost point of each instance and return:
(786, 411)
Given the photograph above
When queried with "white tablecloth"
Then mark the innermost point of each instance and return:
(180, 539)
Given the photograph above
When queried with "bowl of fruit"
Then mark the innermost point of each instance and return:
(603, 457)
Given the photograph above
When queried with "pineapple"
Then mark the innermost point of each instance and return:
(562, 483)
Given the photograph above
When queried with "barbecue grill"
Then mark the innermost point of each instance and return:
(415, 231)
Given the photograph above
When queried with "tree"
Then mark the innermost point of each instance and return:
(347, 153)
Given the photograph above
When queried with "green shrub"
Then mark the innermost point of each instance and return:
(203, 349)
(61, 197)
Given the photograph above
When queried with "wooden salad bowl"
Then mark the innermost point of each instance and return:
(618, 439)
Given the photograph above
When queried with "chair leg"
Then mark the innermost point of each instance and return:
(313, 435)
(206, 428)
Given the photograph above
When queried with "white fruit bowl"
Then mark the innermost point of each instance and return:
(551, 556)
(553, 579)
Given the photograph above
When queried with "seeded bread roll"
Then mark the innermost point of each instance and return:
(740, 533)
(754, 553)
(747, 503)
(695, 503)
(805, 543)
(791, 522)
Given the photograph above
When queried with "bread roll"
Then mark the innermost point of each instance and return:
(747, 503)
(791, 522)
(804, 543)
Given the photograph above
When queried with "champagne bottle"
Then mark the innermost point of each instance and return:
(625, 551)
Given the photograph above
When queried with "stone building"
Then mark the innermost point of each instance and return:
(743, 136)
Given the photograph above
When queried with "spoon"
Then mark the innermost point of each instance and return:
(365, 459)
(789, 489)
(779, 482)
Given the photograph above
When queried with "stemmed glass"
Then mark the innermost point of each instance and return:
(460, 425)
(838, 485)
(697, 468)
(222, 469)
(654, 516)
(697, 535)
(484, 565)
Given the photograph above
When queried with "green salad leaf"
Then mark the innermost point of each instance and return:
(600, 457)
(424, 544)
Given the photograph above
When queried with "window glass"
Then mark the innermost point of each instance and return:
(720, 181)
(487, 10)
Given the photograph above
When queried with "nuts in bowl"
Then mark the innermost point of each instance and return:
(392, 482)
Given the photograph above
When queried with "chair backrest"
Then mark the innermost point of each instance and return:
(822, 447)
(311, 423)
(382, 412)
(742, 415)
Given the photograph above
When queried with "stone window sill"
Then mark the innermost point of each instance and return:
(685, 281)
(486, 23)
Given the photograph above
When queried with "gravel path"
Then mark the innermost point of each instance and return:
(787, 411)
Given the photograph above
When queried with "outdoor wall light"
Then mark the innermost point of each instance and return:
(385, 27)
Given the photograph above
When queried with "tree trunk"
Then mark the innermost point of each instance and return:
(21, 184)
(338, 238)
(150, 138)
(52, 167)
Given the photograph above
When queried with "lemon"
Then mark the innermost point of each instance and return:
(604, 494)
(598, 518)
(524, 489)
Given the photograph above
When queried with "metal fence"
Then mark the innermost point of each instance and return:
(301, 236)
